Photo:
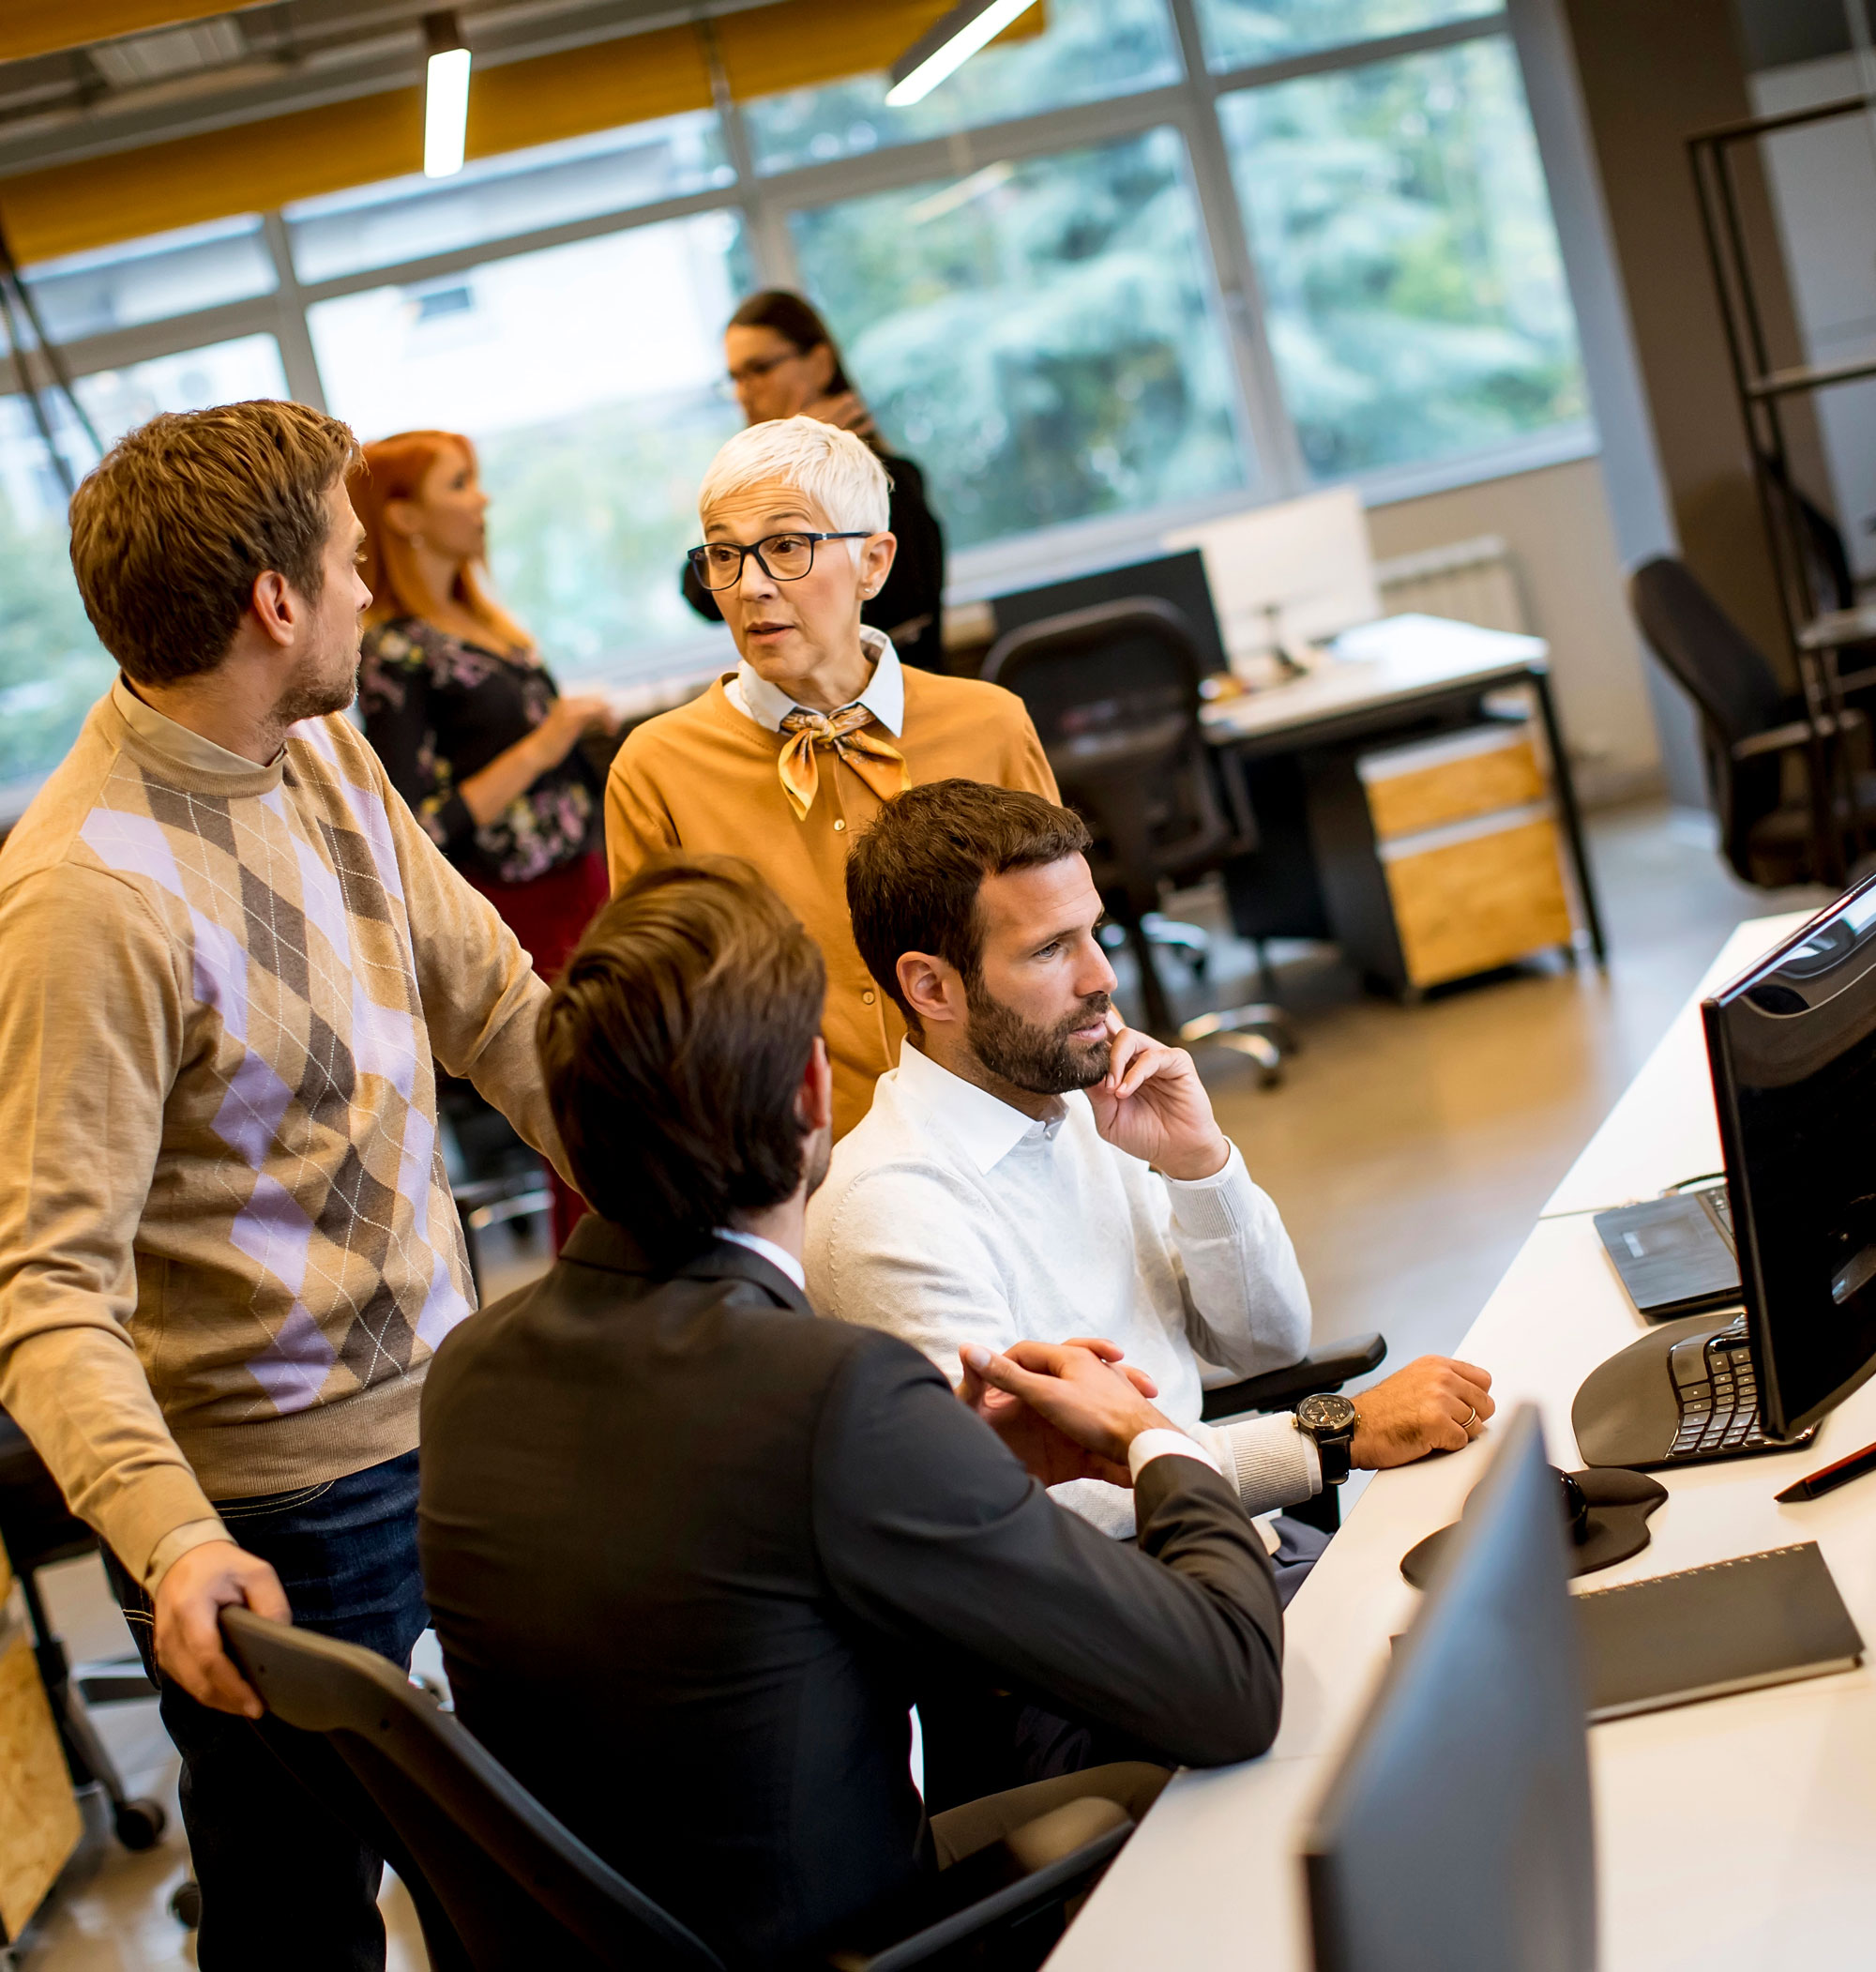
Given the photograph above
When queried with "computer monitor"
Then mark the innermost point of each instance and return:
(1792, 1045)
(1288, 575)
(1456, 1834)
(1177, 578)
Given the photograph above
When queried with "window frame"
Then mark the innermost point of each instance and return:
(1266, 434)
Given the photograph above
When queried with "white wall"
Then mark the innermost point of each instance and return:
(1556, 521)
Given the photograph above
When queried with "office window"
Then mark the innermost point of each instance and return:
(1090, 49)
(1414, 293)
(588, 376)
(1239, 34)
(409, 219)
(50, 665)
(1037, 335)
(149, 280)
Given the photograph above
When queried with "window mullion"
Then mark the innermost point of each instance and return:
(1279, 456)
(296, 339)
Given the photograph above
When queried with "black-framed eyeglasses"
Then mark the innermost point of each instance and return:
(782, 558)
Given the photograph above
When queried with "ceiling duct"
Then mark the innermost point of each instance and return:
(139, 60)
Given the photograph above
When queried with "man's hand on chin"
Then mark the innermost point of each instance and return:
(1152, 1105)
(195, 1588)
(1433, 1404)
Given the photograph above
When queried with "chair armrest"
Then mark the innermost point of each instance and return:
(1325, 1369)
(1798, 733)
(1055, 1883)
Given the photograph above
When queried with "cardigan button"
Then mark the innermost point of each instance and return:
(869, 996)
(839, 826)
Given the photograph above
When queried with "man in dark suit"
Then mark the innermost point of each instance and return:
(693, 1554)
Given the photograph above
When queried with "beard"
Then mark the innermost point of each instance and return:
(318, 689)
(1045, 1061)
(816, 1158)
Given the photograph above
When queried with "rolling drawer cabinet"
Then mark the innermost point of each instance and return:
(1441, 859)
(39, 1818)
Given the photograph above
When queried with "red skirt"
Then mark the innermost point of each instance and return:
(550, 916)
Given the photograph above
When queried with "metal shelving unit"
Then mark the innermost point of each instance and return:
(1821, 632)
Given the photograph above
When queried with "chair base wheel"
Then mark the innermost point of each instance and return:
(139, 1824)
(1258, 1048)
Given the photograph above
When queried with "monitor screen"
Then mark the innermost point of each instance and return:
(1177, 578)
(1456, 1834)
(1792, 1049)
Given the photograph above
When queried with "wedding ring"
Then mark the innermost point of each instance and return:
(1471, 1418)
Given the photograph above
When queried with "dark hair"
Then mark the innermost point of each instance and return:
(174, 526)
(796, 321)
(913, 879)
(673, 1047)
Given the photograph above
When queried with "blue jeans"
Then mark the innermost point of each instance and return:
(286, 1883)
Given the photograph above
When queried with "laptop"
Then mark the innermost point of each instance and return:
(1676, 1256)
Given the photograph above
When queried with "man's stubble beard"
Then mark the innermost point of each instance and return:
(314, 696)
(1041, 1060)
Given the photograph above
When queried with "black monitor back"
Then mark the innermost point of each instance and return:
(1177, 578)
(1792, 1045)
(1456, 1834)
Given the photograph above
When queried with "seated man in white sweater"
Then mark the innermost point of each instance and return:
(1033, 1169)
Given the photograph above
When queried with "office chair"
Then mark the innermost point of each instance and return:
(500, 1885)
(38, 1531)
(1750, 727)
(1326, 1367)
(1113, 691)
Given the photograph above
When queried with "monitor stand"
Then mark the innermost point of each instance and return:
(1628, 1413)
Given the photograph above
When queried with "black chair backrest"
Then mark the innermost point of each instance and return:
(1720, 666)
(35, 1525)
(517, 1887)
(1828, 581)
(1113, 691)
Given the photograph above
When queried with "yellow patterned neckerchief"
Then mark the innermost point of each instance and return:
(882, 767)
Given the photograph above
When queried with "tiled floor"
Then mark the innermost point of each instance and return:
(1409, 1149)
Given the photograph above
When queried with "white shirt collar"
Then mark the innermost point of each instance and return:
(181, 742)
(768, 704)
(986, 1125)
(778, 1257)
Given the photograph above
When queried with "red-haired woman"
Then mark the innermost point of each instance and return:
(468, 720)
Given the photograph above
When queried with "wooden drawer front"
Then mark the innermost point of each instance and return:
(1443, 780)
(1465, 906)
(39, 1818)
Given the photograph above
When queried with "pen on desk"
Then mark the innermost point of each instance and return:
(1829, 1479)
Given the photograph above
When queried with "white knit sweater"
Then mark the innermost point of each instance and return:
(948, 1217)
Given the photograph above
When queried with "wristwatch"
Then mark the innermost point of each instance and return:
(1331, 1421)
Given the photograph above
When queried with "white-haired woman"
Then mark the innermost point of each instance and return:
(784, 759)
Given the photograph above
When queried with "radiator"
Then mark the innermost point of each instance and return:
(1472, 582)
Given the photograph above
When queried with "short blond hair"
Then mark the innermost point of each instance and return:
(181, 517)
(840, 473)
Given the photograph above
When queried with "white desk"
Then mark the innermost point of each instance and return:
(1734, 1836)
(1381, 666)
(1389, 680)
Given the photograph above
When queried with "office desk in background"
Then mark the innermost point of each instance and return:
(1402, 677)
(1731, 1836)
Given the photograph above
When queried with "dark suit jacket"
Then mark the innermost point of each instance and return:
(691, 1554)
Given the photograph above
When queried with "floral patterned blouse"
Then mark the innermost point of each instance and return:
(438, 710)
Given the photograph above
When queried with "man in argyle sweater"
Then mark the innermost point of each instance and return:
(228, 1248)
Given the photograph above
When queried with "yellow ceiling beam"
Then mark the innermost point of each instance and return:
(42, 26)
(254, 167)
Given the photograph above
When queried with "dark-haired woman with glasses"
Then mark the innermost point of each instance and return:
(783, 363)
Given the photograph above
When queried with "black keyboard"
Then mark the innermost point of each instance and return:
(1719, 1400)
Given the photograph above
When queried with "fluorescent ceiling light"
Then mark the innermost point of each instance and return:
(946, 46)
(446, 97)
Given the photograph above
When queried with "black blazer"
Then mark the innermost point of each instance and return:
(911, 599)
(691, 1554)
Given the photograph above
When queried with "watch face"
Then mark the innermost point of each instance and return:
(1326, 1414)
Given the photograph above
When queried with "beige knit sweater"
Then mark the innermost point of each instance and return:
(227, 1247)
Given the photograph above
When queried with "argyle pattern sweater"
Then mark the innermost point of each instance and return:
(227, 1247)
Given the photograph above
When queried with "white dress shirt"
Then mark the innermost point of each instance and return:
(778, 1257)
(768, 704)
(948, 1217)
